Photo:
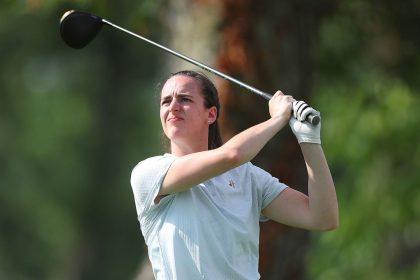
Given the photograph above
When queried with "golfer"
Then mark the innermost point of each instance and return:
(200, 205)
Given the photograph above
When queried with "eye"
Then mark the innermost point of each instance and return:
(185, 99)
(165, 102)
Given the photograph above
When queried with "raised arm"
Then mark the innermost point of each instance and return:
(321, 190)
(318, 210)
(194, 168)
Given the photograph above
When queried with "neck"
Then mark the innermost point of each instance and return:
(179, 149)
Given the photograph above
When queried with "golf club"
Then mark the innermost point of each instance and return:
(78, 29)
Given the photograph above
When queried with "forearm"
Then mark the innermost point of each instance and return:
(204, 165)
(321, 190)
(247, 144)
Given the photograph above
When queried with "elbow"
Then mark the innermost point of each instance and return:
(326, 221)
(330, 227)
(234, 157)
(329, 224)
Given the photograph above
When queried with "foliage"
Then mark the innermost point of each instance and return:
(369, 101)
(72, 125)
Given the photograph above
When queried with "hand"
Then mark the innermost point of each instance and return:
(304, 131)
(301, 110)
(280, 105)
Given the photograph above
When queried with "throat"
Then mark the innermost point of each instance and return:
(182, 148)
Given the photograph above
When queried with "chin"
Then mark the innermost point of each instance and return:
(174, 134)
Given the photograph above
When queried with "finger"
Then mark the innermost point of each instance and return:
(299, 109)
(290, 98)
(307, 111)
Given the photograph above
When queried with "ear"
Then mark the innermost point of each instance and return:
(212, 115)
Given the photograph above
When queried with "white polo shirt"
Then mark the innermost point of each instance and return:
(210, 231)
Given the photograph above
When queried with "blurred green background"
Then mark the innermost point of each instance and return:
(73, 123)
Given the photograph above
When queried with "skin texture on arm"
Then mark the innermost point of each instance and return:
(318, 210)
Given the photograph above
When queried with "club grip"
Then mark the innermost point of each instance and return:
(313, 119)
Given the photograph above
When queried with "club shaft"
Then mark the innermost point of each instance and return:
(313, 119)
(193, 61)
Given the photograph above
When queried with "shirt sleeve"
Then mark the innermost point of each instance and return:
(146, 180)
(270, 186)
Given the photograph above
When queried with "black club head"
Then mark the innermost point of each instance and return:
(77, 29)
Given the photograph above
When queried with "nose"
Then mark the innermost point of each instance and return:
(174, 105)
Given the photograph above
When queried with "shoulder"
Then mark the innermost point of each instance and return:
(154, 161)
(256, 175)
(152, 166)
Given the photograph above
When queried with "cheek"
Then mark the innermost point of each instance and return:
(162, 117)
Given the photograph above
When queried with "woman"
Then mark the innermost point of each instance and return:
(199, 206)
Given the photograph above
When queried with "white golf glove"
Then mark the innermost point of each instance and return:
(303, 130)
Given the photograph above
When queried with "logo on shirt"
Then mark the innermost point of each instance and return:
(231, 184)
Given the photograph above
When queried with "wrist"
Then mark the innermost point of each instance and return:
(309, 145)
(308, 139)
(280, 120)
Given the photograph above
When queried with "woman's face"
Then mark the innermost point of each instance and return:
(182, 111)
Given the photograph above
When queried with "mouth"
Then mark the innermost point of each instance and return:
(174, 119)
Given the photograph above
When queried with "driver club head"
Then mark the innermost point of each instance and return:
(77, 29)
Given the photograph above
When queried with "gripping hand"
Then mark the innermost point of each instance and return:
(304, 131)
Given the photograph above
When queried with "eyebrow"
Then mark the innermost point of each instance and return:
(169, 96)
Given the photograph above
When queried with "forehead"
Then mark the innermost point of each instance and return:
(181, 84)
